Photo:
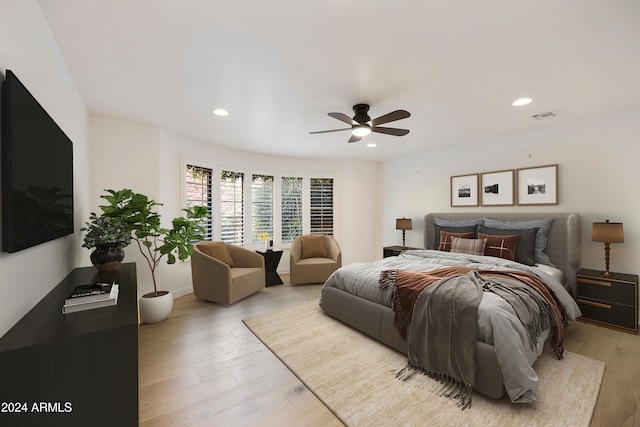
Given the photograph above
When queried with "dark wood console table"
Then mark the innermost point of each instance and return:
(78, 369)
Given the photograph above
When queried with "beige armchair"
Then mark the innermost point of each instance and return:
(313, 258)
(225, 273)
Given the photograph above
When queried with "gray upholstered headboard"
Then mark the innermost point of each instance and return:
(563, 240)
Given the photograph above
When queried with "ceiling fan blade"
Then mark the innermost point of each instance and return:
(391, 117)
(390, 131)
(354, 138)
(327, 131)
(342, 117)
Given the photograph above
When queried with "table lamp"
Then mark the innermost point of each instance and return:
(403, 224)
(607, 232)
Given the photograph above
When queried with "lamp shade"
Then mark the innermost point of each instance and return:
(403, 224)
(608, 232)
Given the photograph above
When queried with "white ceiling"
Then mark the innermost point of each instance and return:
(280, 66)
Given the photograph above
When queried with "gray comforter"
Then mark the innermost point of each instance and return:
(498, 324)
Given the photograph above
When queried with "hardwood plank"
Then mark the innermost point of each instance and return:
(306, 412)
(601, 344)
(248, 412)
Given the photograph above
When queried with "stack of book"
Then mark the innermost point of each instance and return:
(94, 295)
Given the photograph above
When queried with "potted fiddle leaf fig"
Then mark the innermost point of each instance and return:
(139, 215)
(108, 237)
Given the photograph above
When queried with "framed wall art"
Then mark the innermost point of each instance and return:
(464, 190)
(497, 188)
(538, 185)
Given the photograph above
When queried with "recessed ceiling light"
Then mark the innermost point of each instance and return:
(522, 101)
(371, 145)
(220, 112)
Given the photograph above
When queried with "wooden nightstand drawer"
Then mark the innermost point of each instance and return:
(608, 300)
(605, 290)
(614, 314)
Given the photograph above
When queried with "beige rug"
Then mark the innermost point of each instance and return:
(354, 376)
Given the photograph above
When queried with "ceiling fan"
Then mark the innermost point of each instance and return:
(362, 125)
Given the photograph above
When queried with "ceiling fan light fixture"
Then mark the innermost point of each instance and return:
(361, 124)
(361, 130)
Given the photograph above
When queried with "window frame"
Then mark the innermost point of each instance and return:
(188, 161)
(253, 238)
(245, 202)
(248, 208)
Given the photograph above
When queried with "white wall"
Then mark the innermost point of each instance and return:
(124, 155)
(30, 51)
(598, 178)
(149, 160)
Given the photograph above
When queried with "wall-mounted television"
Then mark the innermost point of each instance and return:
(37, 171)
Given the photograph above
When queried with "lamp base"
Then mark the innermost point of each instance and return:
(607, 250)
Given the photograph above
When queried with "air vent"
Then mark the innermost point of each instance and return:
(547, 115)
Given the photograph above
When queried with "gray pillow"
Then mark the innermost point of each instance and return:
(543, 226)
(451, 223)
(437, 229)
(526, 248)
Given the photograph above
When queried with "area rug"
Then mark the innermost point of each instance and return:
(353, 375)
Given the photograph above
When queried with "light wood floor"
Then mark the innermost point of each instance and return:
(203, 367)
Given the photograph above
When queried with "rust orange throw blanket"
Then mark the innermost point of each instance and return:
(445, 350)
(408, 286)
(553, 313)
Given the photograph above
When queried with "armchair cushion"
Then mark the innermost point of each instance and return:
(219, 251)
(313, 246)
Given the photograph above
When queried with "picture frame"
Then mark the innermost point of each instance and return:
(497, 188)
(464, 190)
(538, 185)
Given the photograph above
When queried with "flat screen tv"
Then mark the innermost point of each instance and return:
(37, 171)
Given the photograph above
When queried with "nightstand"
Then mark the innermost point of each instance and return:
(608, 301)
(388, 251)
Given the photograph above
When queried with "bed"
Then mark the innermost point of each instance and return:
(347, 294)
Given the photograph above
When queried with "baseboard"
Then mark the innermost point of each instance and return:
(182, 292)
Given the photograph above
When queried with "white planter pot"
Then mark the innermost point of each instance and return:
(154, 309)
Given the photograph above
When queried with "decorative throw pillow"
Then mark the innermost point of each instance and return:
(525, 251)
(437, 229)
(313, 246)
(500, 246)
(541, 236)
(457, 223)
(217, 250)
(445, 239)
(468, 246)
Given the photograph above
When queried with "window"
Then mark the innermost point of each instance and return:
(291, 209)
(243, 204)
(232, 207)
(199, 193)
(321, 205)
(261, 206)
